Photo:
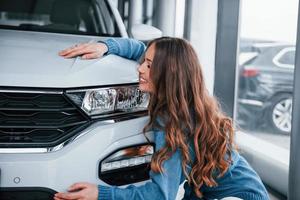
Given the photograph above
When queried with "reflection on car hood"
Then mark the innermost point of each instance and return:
(30, 59)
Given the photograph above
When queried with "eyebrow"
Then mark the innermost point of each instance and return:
(148, 59)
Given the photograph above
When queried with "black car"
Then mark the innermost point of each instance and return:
(265, 87)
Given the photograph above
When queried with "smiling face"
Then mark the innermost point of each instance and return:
(145, 82)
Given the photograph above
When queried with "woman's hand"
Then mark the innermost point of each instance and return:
(86, 50)
(79, 191)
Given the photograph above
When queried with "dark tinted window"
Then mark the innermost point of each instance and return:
(61, 16)
(288, 58)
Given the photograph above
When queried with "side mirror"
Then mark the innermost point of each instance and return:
(145, 32)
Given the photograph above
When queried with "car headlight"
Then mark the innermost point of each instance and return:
(111, 100)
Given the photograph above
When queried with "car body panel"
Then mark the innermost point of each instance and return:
(30, 59)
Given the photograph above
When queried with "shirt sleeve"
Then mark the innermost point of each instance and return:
(162, 186)
(125, 47)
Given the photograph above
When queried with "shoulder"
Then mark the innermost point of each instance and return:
(235, 158)
(159, 138)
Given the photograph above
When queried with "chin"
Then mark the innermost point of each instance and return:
(144, 88)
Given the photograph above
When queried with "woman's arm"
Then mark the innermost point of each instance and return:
(128, 48)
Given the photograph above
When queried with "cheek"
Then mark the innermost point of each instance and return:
(147, 73)
(150, 83)
(148, 86)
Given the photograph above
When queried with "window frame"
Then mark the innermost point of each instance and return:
(294, 166)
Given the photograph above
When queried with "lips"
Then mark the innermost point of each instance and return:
(142, 80)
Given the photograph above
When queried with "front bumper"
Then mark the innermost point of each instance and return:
(77, 161)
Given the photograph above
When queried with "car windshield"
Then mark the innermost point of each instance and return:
(88, 17)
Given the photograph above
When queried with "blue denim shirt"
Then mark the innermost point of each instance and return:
(239, 181)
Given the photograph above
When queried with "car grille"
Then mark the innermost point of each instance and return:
(37, 119)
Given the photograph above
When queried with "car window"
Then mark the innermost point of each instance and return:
(287, 58)
(106, 18)
(60, 16)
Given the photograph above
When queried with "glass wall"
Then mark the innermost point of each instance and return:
(265, 67)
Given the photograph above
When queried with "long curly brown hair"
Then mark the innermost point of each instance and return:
(189, 113)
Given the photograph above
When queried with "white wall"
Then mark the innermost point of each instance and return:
(165, 16)
(203, 36)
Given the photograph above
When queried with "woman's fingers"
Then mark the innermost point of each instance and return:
(91, 55)
(77, 52)
(73, 48)
(79, 191)
(77, 186)
(56, 198)
(69, 196)
(88, 50)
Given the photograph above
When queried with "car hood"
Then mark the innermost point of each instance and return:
(30, 59)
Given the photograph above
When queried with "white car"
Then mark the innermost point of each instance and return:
(66, 120)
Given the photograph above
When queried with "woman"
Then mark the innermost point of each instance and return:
(194, 139)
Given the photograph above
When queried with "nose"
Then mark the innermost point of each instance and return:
(141, 68)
